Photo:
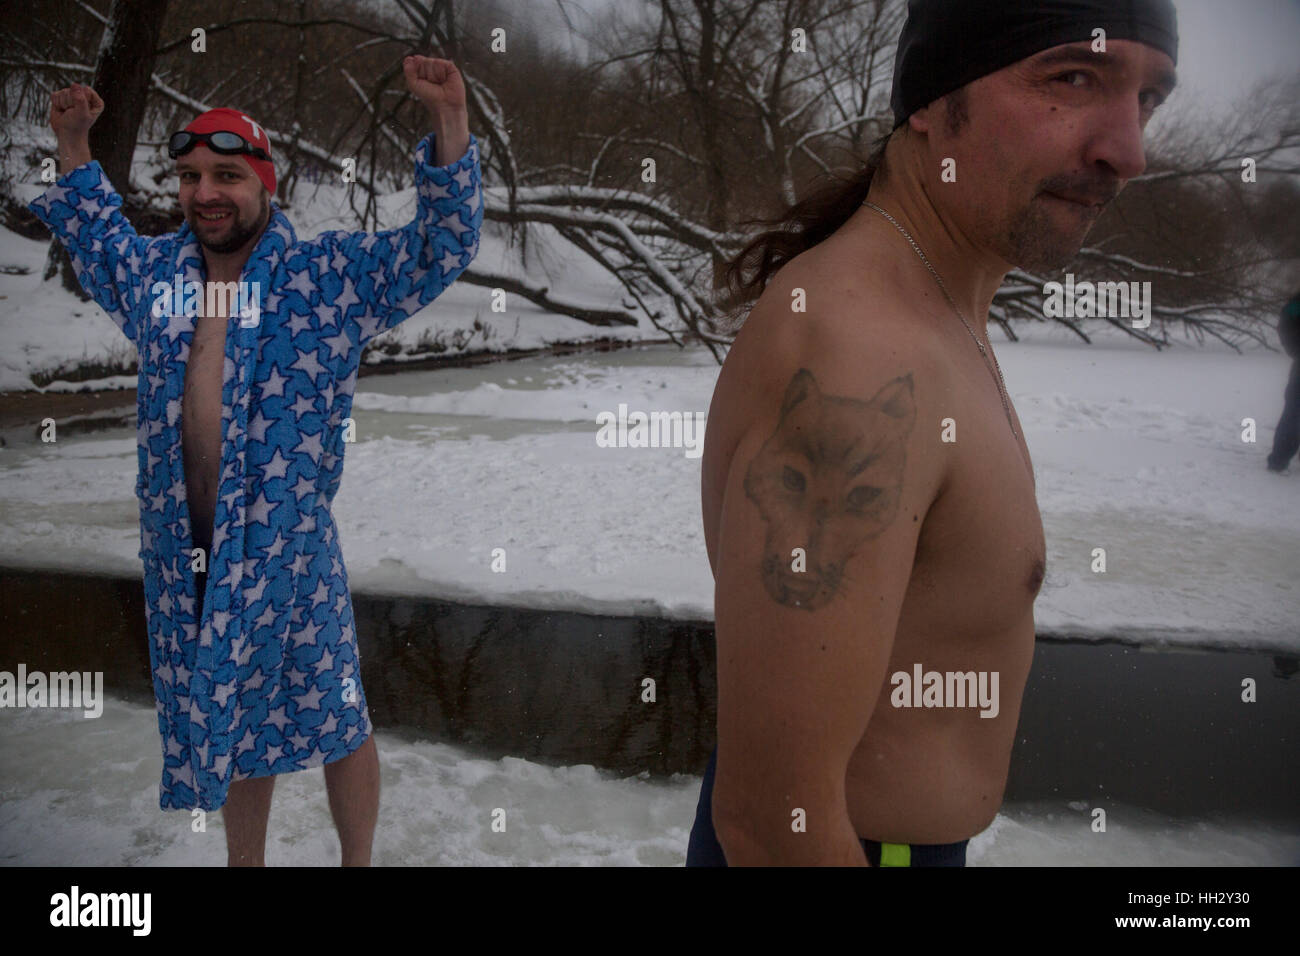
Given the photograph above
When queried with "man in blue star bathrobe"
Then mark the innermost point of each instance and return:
(240, 427)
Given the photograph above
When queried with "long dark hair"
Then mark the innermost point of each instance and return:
(830, 203)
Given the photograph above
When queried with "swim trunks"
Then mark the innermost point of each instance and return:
(705, 850)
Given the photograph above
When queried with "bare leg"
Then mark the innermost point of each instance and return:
(353, 787)
(248, 804)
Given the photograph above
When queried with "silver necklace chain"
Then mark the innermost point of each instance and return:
(998, 380)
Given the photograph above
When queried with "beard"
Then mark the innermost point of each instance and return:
(1049, 232)
(1038, 241)
(238, 233)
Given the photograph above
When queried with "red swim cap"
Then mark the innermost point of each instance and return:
(233, 121)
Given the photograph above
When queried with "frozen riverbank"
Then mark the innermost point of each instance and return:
(1136, 452)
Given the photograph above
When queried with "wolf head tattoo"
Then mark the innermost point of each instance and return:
(828, 479)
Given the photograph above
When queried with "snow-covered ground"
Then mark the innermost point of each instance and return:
(1136, 452)
(96, 803)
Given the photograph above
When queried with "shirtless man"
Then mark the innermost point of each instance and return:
(868, 497)
(268, 681)
(213, 185)
(228, 208)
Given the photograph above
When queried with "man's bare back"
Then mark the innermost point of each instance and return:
(201, 423)
(918, 775)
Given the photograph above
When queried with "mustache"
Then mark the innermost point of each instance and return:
(1088, 189)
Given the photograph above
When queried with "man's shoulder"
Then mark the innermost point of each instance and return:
(830, 363)
(845, 339)
(820, 309)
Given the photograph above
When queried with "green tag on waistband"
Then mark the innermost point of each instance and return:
(895, 854)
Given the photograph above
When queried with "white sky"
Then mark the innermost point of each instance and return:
(1226, 46)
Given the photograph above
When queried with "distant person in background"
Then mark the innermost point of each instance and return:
(1286, 440)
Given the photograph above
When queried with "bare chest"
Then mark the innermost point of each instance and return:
(203, 374)
(201, 410)
(981, 556)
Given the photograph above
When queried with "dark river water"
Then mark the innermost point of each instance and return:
(1161, 728)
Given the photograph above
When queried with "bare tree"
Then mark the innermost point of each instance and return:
(653, 156)
(731, 64)
(123, 65)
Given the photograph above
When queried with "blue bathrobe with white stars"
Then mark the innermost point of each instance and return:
(268, 681)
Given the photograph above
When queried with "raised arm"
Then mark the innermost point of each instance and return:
(438, 85)
(388, 276)
(824, 499)
(73, 112)
(83, 211)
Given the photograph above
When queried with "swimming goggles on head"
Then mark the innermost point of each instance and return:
(219, 141)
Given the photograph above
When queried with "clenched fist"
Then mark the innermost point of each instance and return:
(438, 85)
(435, 83)
(74, 110)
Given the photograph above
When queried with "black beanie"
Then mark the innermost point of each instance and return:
(946, 44)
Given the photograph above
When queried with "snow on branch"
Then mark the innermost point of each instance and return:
(541, 296)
